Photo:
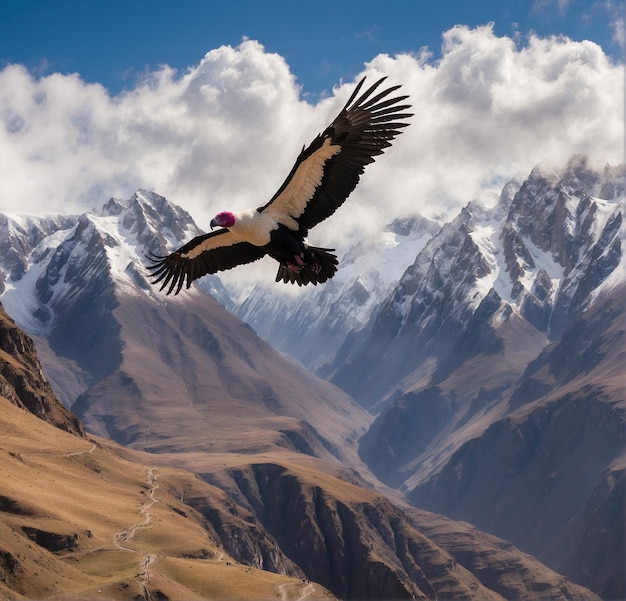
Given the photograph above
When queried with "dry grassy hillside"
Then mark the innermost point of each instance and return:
(78, 520)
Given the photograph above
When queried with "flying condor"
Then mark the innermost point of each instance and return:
(322, 178)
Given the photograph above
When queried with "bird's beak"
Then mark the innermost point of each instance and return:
(213, 223)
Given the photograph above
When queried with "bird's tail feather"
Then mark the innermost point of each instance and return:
(321, 265)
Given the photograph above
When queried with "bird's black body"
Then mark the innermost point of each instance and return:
(324, 175)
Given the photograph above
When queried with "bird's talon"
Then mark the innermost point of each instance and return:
(295, 268)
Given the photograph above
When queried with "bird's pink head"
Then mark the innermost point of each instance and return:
(223, 219)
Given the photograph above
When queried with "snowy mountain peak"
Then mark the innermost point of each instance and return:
(529, 264)
(152, 221)
(542, 250)
(19, 235)
(561, 241)
(539, 257)
(52, 260)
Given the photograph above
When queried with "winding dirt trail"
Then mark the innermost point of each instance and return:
(306, 591)
(125, 535)
(309, 589)
(58, 454)
(91, 450)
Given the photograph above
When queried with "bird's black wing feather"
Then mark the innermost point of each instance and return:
(328, 170)
(209, 253)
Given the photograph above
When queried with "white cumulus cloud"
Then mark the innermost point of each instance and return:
(225, 133)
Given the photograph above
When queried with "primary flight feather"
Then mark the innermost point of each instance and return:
(324, 175)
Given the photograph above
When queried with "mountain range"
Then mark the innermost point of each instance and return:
(312, 325)
(495, 370)
(467, 365)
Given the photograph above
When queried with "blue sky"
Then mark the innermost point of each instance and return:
(114, 42)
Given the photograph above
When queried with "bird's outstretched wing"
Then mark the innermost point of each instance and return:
(209, 253)
(328, 170)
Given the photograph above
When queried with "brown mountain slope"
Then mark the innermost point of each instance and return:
(360, 545)
(80, 521)
(22, 380)
(194, 378)
(352, 540)
(495, 562)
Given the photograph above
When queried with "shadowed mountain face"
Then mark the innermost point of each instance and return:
(193, 378)
(555, 459)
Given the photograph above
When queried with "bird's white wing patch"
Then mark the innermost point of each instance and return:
(224, 239)
(292, 201)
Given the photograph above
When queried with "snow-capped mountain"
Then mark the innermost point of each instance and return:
(62, 276)
(42, 255)
(19, 235)
(496, 367)
(106, 336)
(312, 323)
(543, 253)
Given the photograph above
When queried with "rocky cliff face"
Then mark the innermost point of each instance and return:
(361, 546)
(22, 380)
(344, 547)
